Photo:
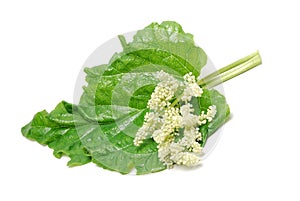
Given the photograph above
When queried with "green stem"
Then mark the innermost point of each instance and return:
(228, 72)
(122, 41)
(231, 71)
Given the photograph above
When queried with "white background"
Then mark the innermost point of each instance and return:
(43, 45)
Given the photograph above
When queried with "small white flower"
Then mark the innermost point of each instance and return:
(164, 154)
(163, 92)
(189, 78)
(192, 89)
(176, 148)
(197, 91)
(190, 121)
(211, 112)
(187, 94)
(159, 136)
(141, 135)
(190, 136)
(189, 159)
(196, 147)
(186, 109)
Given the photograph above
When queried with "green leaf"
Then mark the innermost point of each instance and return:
(170, 37)
(113, 149)
(105, 113)
(208, 98)
(112, 107)
(58, 134)
(159, 47)
(110, 144)
(121, 89)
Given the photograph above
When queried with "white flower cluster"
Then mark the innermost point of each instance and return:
(164, 92)
(175, 128)
(192, 88)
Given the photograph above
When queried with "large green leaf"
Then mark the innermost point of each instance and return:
(57, 130)
(113, 149)
(158, 47)
(104, 138)
(112, 107)
(170, 37)
(104, 134)
(148, 149)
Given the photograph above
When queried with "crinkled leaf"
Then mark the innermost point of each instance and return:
(170, 37)
(112, 107)
(108, 143)
(61, 136)
(162, 46)
(208, 98)
(105, 113)
(113, 149)
(157, 47)
(128, 89)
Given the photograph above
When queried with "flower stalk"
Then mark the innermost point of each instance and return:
(228, 72)
(232, 70)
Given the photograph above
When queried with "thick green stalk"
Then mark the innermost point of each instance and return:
(228, 72)
(231, 71)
